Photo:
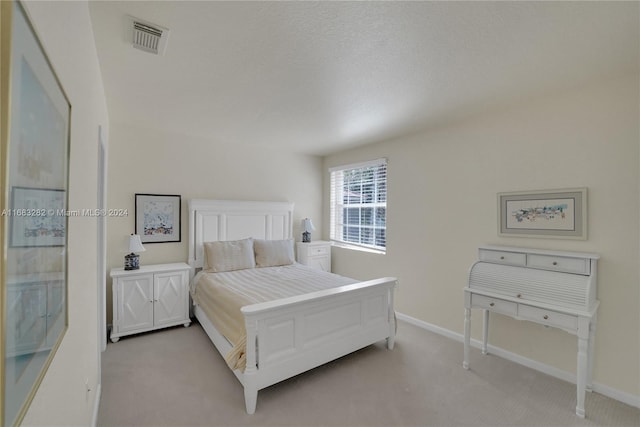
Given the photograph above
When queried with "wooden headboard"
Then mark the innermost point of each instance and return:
(221, 220)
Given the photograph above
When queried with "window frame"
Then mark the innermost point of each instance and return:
(337, 206)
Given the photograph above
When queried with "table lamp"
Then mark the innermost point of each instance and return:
(307, 228)
(132, 261)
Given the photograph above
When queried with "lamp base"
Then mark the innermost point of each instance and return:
(306, 237)
(131, 261)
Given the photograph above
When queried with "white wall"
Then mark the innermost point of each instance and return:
(62, 398)
(442, 206)
(148, 161)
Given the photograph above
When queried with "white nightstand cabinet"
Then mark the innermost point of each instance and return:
(315, 254)
(152, 297)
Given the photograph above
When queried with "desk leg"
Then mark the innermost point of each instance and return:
(592, 336)
(485, 331)
(467, 337)
(583, 363)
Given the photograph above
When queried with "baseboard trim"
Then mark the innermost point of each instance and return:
(96, 405)
(611, 392)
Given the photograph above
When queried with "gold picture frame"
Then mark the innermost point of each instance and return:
(34, 158)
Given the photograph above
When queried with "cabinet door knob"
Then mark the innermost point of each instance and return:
(555, 263)
(491, 304)
(519, 296)
(502, 257)
(545, 317)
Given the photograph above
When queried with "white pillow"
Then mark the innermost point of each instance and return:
(230, 255)
(273, 253)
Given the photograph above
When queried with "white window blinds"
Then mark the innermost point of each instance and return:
(359, 204)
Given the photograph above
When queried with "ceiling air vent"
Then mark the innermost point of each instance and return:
(149, 37)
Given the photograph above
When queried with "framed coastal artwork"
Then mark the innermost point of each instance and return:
(158, 218)
(35, 117)
(546, 214)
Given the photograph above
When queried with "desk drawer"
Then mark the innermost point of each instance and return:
(494, 304)
(558, 263)
(548, 317)
(503, 257)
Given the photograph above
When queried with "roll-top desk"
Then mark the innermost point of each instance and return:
(553, 288)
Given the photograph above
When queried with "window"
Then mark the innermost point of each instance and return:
(359, 204)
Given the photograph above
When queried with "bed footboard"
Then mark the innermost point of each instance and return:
(292, 335)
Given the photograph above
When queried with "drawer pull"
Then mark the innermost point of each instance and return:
(502, 257)
(545, 317)
(555, 263)
(519, 296)
(491, 304)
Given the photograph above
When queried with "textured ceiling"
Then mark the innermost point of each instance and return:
(318, 77)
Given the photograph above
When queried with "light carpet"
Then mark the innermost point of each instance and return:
(176, 377)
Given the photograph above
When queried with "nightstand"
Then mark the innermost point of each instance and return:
(315, 254)
(149, 298)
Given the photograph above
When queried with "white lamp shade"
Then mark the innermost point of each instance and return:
(135, 244)
(307, 225)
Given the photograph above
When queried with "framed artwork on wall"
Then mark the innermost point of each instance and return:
(547, 214)
(35, 118)
(158, 218)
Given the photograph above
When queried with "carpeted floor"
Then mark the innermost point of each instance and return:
(176, 377)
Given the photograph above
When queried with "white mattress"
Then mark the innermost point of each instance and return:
(270, 283)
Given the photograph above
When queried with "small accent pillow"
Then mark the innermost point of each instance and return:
(229, 256)
(273, 253)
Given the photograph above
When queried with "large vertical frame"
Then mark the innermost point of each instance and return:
(34, 164)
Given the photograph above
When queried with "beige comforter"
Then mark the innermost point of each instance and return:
(221, 295)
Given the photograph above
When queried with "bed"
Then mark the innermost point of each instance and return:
(291, 334)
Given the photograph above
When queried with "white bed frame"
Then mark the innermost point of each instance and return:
(291, 335)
